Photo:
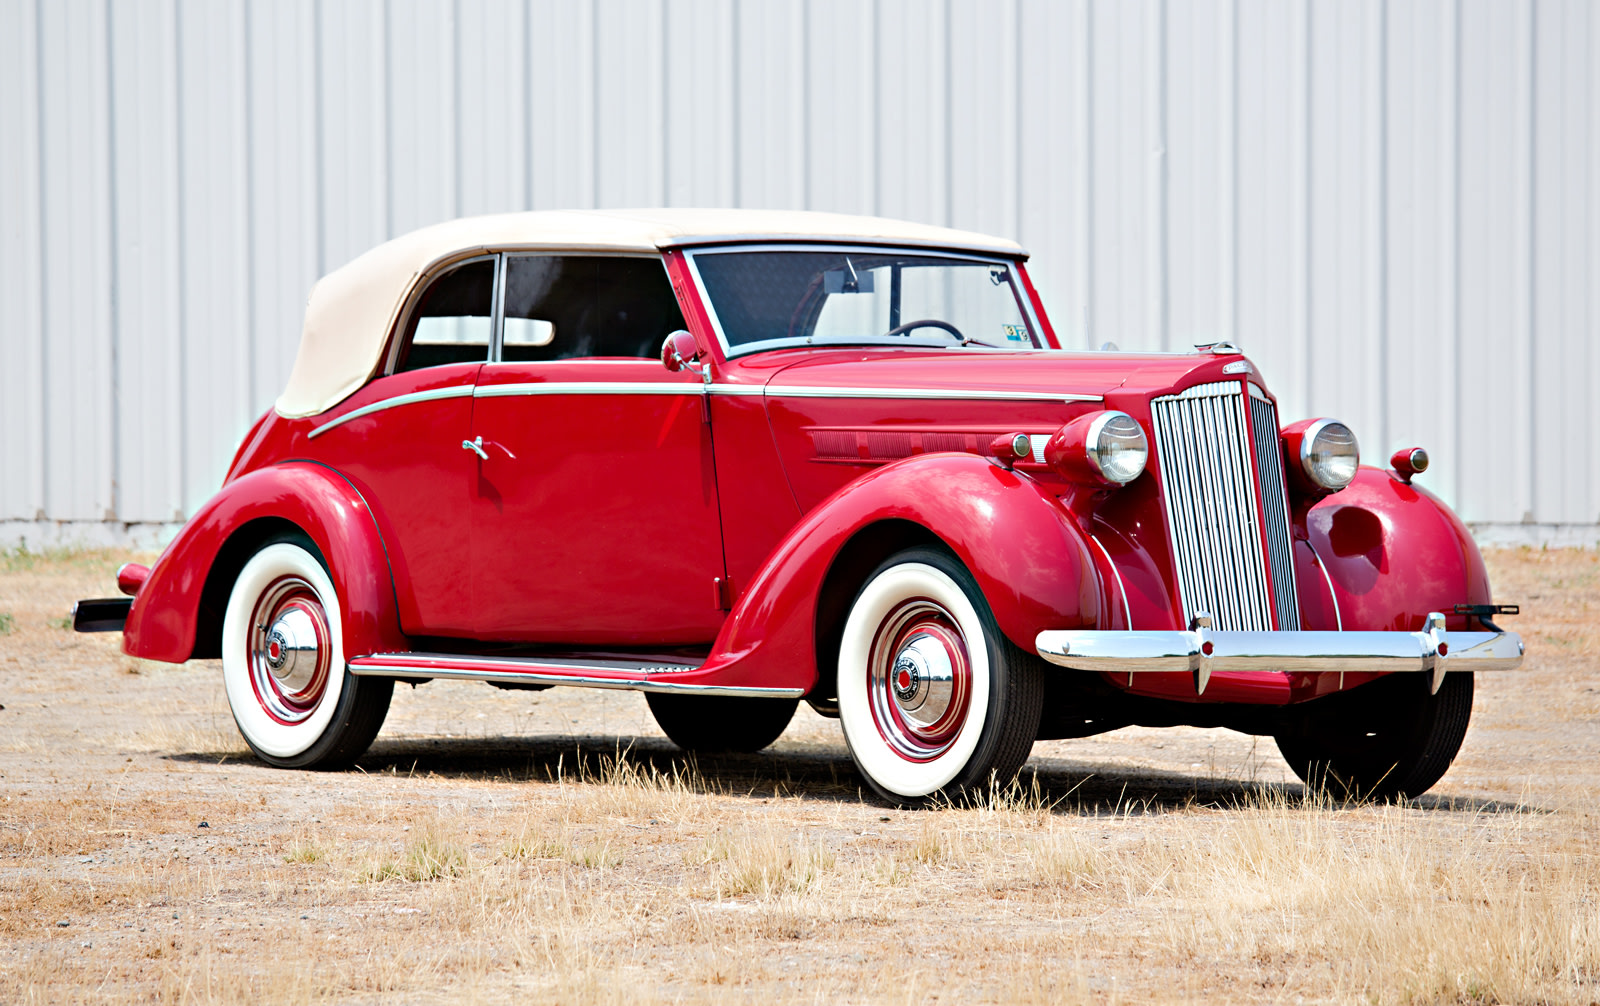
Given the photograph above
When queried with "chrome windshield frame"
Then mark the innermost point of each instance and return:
(1024, 302)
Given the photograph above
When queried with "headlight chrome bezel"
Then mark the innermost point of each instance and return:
(1100, 446)
(1082, 450)
(1318, 471)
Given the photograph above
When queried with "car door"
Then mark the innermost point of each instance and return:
(399, 441)
(594, 505)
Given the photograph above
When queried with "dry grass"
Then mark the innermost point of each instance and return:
(496, 859)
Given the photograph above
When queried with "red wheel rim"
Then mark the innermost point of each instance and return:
(919, 679)
(290, 650)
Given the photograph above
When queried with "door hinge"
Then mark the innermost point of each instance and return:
(721, 594)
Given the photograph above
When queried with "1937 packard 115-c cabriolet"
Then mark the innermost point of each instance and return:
(737, 459)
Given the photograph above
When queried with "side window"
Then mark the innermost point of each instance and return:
(453, 320)
(558, 307)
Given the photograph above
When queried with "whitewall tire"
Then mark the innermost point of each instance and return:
(933, 698)
(283, 662)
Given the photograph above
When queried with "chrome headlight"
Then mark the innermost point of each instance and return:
(1117, 447)
(1329, 454)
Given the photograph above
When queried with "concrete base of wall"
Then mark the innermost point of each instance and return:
(42, 535)
(1492, 535)
(49, 535)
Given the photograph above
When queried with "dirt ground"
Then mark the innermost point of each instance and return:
(553, 846)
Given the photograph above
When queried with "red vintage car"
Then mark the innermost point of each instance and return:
(737, 459)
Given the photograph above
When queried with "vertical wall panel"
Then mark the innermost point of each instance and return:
(419, 104)
(1199, 142)
(75, 263)
(491, 106)
(1053, 189)
(701, 138)
(21, 332)
(770, 88)
(561, 105)
(1418, 348)
(1127, 148)
(913, 119)
(1494, 406)
(1268, 120)
(1390, 204)
(1345, 191)
(1565, 417)
(985, 67)
(631, 106)
(841, 107)
(284, 187)
(216, 255)
(355, 168)
(145, 115)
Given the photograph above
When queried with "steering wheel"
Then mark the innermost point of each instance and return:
(928, 323)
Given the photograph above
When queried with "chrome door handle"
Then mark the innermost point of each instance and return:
(476, 446)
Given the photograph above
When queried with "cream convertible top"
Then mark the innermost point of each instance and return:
(352, 308)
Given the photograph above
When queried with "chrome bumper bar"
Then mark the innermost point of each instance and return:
(1203, 651)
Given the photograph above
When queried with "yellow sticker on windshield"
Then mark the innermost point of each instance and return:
(1015, 333)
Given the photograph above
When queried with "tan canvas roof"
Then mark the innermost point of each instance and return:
(352, 308)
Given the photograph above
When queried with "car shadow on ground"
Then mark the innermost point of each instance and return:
(826, 773)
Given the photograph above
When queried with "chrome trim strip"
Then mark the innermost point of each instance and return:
(1127, 612)
(1338, 617)
(961, 394)
(586, 388)
(692, 253)
(375, 666)
(432, 395)
(1265, 652)
(662, 388)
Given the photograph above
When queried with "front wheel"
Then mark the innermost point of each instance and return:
(1386, 740)
(933, 698)
(283, 664)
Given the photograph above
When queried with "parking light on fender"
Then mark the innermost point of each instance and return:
(1103, 448)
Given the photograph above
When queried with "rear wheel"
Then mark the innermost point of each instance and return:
(283, 663)
(933, 698)
(1386, 740)
(721, 722)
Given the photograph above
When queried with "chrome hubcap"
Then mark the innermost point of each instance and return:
(291, 650)
(919, 680)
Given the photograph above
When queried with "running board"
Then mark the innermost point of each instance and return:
(631, 675)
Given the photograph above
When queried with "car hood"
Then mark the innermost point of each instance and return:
(1084, 376)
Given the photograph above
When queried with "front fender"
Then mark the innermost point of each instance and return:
(177, 613)
(1394, 552)
(1028, 556)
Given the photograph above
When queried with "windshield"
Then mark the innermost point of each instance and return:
(864, 296)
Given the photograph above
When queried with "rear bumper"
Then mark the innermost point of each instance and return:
(1202, 651)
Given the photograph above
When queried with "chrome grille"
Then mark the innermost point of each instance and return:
(1275, 507)
(1214, 516)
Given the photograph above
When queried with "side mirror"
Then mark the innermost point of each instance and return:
(680, 351)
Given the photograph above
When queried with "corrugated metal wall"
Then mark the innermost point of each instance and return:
(1392, 206)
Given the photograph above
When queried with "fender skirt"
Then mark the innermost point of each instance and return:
(177, 614)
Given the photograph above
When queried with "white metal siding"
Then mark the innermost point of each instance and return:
(1392, 206)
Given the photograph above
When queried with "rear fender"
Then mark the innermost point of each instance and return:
(177, 614)
(1027, 554)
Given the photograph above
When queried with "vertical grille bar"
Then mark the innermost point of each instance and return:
(1275, 504)
(1215, 518)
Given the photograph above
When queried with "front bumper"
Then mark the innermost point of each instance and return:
(1202, 651)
